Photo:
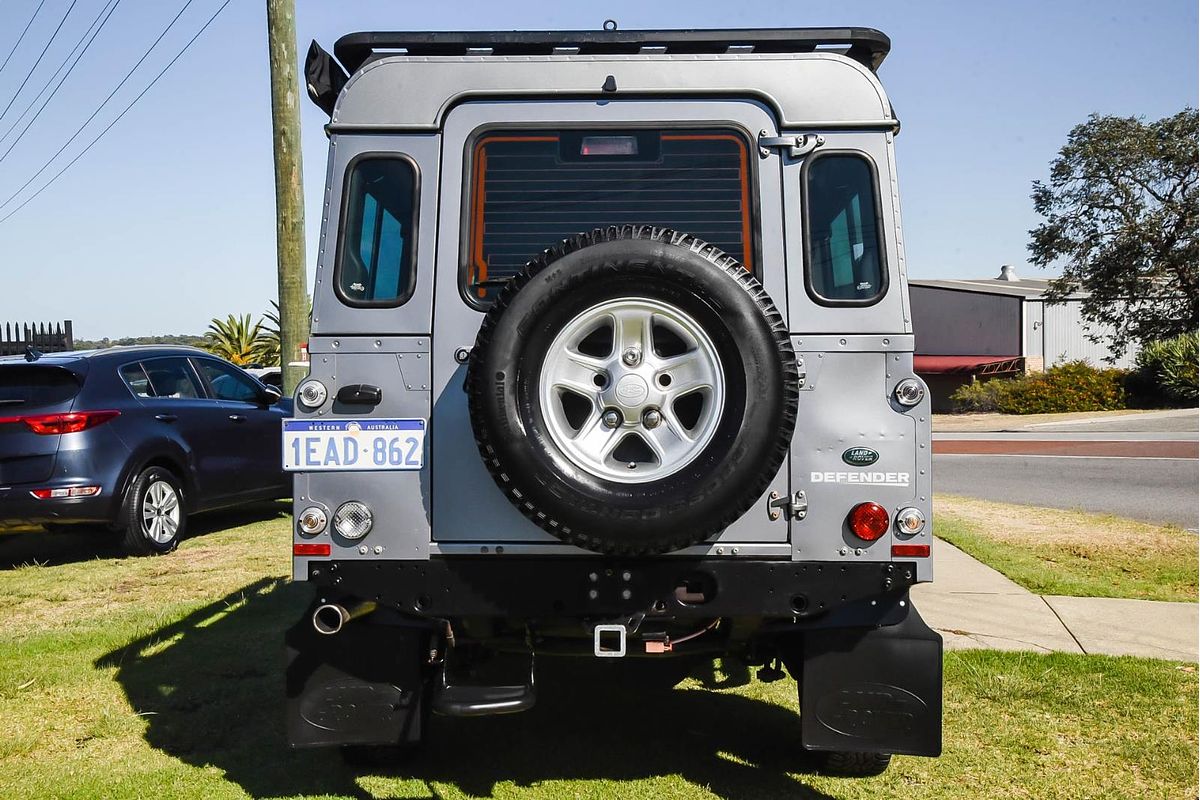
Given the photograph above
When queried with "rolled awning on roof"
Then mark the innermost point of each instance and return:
(967, 365)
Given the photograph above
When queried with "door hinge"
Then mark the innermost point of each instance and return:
(797, 146)
(796, 506)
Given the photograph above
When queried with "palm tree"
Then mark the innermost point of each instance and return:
(267, 353)
(235, 338)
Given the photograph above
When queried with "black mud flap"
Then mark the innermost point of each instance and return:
(876, 690)
(366, 684)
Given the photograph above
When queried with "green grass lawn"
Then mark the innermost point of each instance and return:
(1054, 551)
(162, 678)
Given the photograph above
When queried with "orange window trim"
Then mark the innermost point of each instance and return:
(478, 271)
(478, 266)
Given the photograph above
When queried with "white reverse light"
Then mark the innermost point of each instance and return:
(352, 520)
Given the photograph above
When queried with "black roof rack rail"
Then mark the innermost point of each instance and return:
(865, 45)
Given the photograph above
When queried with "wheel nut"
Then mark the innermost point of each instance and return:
(632, 356)
(652, 418)
(611, 418)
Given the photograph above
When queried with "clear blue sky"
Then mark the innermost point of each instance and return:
(168, 221)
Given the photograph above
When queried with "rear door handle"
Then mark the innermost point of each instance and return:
(165, 417)
(237, 418)
(360, 394)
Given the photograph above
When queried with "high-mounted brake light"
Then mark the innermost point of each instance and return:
(609, 146)
(48, 424)
(869, 521)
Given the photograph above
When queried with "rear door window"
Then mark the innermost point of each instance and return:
(532, 189)
(135, 378)
(172, 378)
(30, 387)
(845, 264)
(227, 383)
(375, 260)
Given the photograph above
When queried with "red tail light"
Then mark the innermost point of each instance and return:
(869, 521)
(910, 551)
(302, 549)
(47, 424)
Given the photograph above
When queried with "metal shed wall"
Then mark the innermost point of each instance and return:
(1065, 335)
(952, 322)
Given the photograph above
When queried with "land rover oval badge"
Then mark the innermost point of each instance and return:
(860, 456)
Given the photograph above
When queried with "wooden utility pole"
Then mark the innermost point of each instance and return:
(289, 191)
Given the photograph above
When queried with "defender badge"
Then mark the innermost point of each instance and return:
(860, 456)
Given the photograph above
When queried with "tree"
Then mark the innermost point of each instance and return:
(236, 339)
(1120, 213)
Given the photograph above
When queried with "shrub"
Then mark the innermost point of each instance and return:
(1168, 369)
(1074, 386)
(980, 395)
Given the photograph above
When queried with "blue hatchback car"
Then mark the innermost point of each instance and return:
(136, 439)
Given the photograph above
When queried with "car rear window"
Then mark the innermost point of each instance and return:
(30, 386)
(375, 260)
(531, 189)
(845, 265)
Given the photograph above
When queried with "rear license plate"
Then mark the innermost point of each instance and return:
(353, 444)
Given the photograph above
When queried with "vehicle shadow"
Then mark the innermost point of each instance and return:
(75, 543)
(211, 690)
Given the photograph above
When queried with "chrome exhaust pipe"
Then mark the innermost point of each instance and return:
(330, 618)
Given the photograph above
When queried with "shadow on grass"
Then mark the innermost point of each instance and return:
(212, 692)
(74, 543)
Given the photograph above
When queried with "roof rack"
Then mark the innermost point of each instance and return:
(865, 45)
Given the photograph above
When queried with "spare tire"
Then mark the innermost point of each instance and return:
(633, 391)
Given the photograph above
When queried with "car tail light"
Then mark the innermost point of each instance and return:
(47, 424)
(869, 521)
(305, 549)
(65, 491)
(910, 551)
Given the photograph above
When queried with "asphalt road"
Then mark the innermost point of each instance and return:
(1153, 489)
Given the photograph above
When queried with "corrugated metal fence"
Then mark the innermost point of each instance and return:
(45, 337)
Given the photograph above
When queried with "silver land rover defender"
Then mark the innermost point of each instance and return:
(611, 357)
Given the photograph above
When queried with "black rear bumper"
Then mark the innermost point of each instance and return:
(856, 593)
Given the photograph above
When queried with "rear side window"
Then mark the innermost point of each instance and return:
(29, 387)
(845, 265)
(135, 378)
(172, 378)
(375, 260)
(531, 189)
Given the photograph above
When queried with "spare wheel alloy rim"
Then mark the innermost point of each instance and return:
(632, 390)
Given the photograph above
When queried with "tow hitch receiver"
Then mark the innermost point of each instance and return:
(608, 641)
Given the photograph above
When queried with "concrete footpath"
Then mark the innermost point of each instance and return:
(972, 605)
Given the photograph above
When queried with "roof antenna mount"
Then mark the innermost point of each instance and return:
(31, 353)
(610, 24)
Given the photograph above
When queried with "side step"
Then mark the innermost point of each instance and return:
(466, 700)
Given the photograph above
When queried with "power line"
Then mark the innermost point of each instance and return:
(41, 55)
(118, 118)
(100, 107)
(21, 38)
(106, 11)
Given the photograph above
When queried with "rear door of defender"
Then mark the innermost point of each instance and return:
(520, 177)
(369, 349)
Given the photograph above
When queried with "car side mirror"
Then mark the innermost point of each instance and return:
(270, 395)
